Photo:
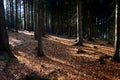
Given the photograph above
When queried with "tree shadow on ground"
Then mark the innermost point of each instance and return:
(63, 56)
(86, 61)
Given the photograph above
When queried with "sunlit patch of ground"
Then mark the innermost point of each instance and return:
(62, 61)
(14, 42)
(27, 33)
(65, 41)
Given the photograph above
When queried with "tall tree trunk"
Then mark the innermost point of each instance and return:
(35, 18)
(116, 56)
(9, 13)
(12, 13)
(20, 18)
(49, 16)
(4, 42)
(89, 35)
(40, 24)
(32, 15)
(16, 15)
(42, 15)
(26, 14)
(45, 16)
(69, 18)
(79, 23)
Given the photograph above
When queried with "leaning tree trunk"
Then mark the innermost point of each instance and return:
(117, 32)
(4, 42)
(79, 23)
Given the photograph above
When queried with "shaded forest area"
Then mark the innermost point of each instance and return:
(59, 40)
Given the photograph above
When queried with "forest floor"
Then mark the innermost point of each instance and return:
(62, 61)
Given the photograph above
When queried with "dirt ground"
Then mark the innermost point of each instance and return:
(62, 60)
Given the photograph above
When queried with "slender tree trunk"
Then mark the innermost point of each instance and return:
(40, 24)
(16, 15)
(32, 16)
(89, 35)
(20, 20)
(60, 16)
(116, 56)
(45, 16)
(69, 18)
(49, 16)
(42, 15)
(12, 14)
(9, 13)
(79, 23)
(35, 18)
(26, 14)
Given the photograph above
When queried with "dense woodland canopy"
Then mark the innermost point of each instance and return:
(82, 20)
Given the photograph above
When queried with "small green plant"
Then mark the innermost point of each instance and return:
(112, 39)
(7, 58)
(53, 79)
(12, 48)
(101, 60)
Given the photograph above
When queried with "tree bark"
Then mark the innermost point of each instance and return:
(40, 24)
(89, 34)
(116, 56)
(79, 23)
(42, 16)
(4, 42)
(26, 15)
(35, 18)
(16, 15)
